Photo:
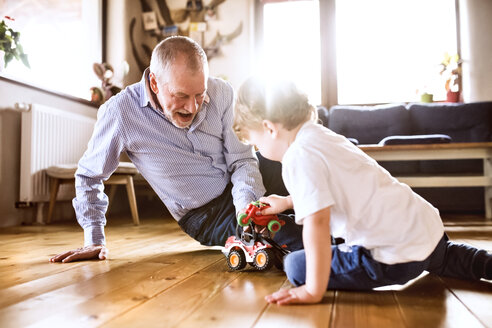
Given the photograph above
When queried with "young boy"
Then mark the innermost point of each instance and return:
(391, 234)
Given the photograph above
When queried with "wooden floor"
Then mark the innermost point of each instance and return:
(159, 277)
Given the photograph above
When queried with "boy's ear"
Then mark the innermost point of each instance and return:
(270, 128)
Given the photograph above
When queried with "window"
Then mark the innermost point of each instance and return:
(291, 44)
(387, 50)
(62, 39)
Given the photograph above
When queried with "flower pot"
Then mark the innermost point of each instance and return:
(453, 96)
(427, 97)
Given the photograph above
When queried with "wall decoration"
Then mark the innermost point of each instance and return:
(105, 73)
(189, 21)
(149, 20)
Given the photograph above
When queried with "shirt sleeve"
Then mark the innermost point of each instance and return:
(241, 161)
(97, 164)
(306, 177)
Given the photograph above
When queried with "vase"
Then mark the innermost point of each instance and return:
(453, 96)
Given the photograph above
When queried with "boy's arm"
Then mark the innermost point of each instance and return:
(317, 245)
(278, 204)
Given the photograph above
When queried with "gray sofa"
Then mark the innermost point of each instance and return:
(470, 122)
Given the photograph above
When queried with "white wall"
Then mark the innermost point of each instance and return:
(10, 122)
(476, 47)
(235, 62)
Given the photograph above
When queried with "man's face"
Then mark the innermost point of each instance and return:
(182, 93)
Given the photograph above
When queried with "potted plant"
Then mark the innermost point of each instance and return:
(451, 72)
(10, 46)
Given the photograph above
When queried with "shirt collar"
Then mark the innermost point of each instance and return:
(148, 95)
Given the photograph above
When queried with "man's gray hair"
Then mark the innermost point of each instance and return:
(168, 50)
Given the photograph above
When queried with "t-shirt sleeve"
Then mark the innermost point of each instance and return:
(306, 175)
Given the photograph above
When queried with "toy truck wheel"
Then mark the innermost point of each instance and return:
(236, 260)
(263, 259)
(274, 226)
(240, 220)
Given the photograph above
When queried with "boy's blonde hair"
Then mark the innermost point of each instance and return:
(279, 102)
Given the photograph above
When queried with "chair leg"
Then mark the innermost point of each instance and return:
(132, 199)
(112, 192)
(55, 185)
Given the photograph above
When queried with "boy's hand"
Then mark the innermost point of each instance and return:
(84, 253)
(298, 295)
(277, 203)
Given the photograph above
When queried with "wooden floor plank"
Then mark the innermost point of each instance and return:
(109, 305)
(114, 283)
(427, 302)
(366, 309)
(475, 296)
(301, 316)
(34, 265)
(240, 301)
(63, 275)
(158, 276)
(182, 300)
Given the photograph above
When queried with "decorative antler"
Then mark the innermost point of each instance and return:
(213, 49)
(141, 65)
(179, 16)
(165, 13)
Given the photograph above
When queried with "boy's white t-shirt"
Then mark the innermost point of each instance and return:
(369, 207)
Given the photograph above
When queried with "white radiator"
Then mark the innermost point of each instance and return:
(50, 136)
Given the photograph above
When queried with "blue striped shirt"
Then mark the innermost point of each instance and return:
(187, 168)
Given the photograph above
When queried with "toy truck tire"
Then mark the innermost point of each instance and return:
(240, 219)
(263, 260)
(236, 260)
(274, 226)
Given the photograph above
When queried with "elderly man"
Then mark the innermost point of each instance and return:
(176, 127)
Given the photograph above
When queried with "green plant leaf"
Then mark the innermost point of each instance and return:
(10, 45)
(25, 60)
(8, 58)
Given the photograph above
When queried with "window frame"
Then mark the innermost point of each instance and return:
(329, 83)
(36, 86)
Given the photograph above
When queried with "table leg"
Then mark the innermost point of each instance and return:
(487, 171)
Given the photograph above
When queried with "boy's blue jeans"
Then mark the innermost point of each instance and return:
(357, 270)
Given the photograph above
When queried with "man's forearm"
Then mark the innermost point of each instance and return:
(247, 183)
(90, 205)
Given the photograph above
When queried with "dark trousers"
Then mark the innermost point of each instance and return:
(214, 222)
(357, 270)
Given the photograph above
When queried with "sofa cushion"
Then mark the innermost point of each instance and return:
(323, 115)
(369, 124)
(415, 139)
(462, 122)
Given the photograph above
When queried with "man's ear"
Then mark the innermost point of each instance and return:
(153, 83)
(270, 128)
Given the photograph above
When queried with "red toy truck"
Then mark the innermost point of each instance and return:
(250, 246)
(272, 222)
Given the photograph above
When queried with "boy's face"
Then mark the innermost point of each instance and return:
(267, 142)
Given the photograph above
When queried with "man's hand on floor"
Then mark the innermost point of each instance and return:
(85, 253)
